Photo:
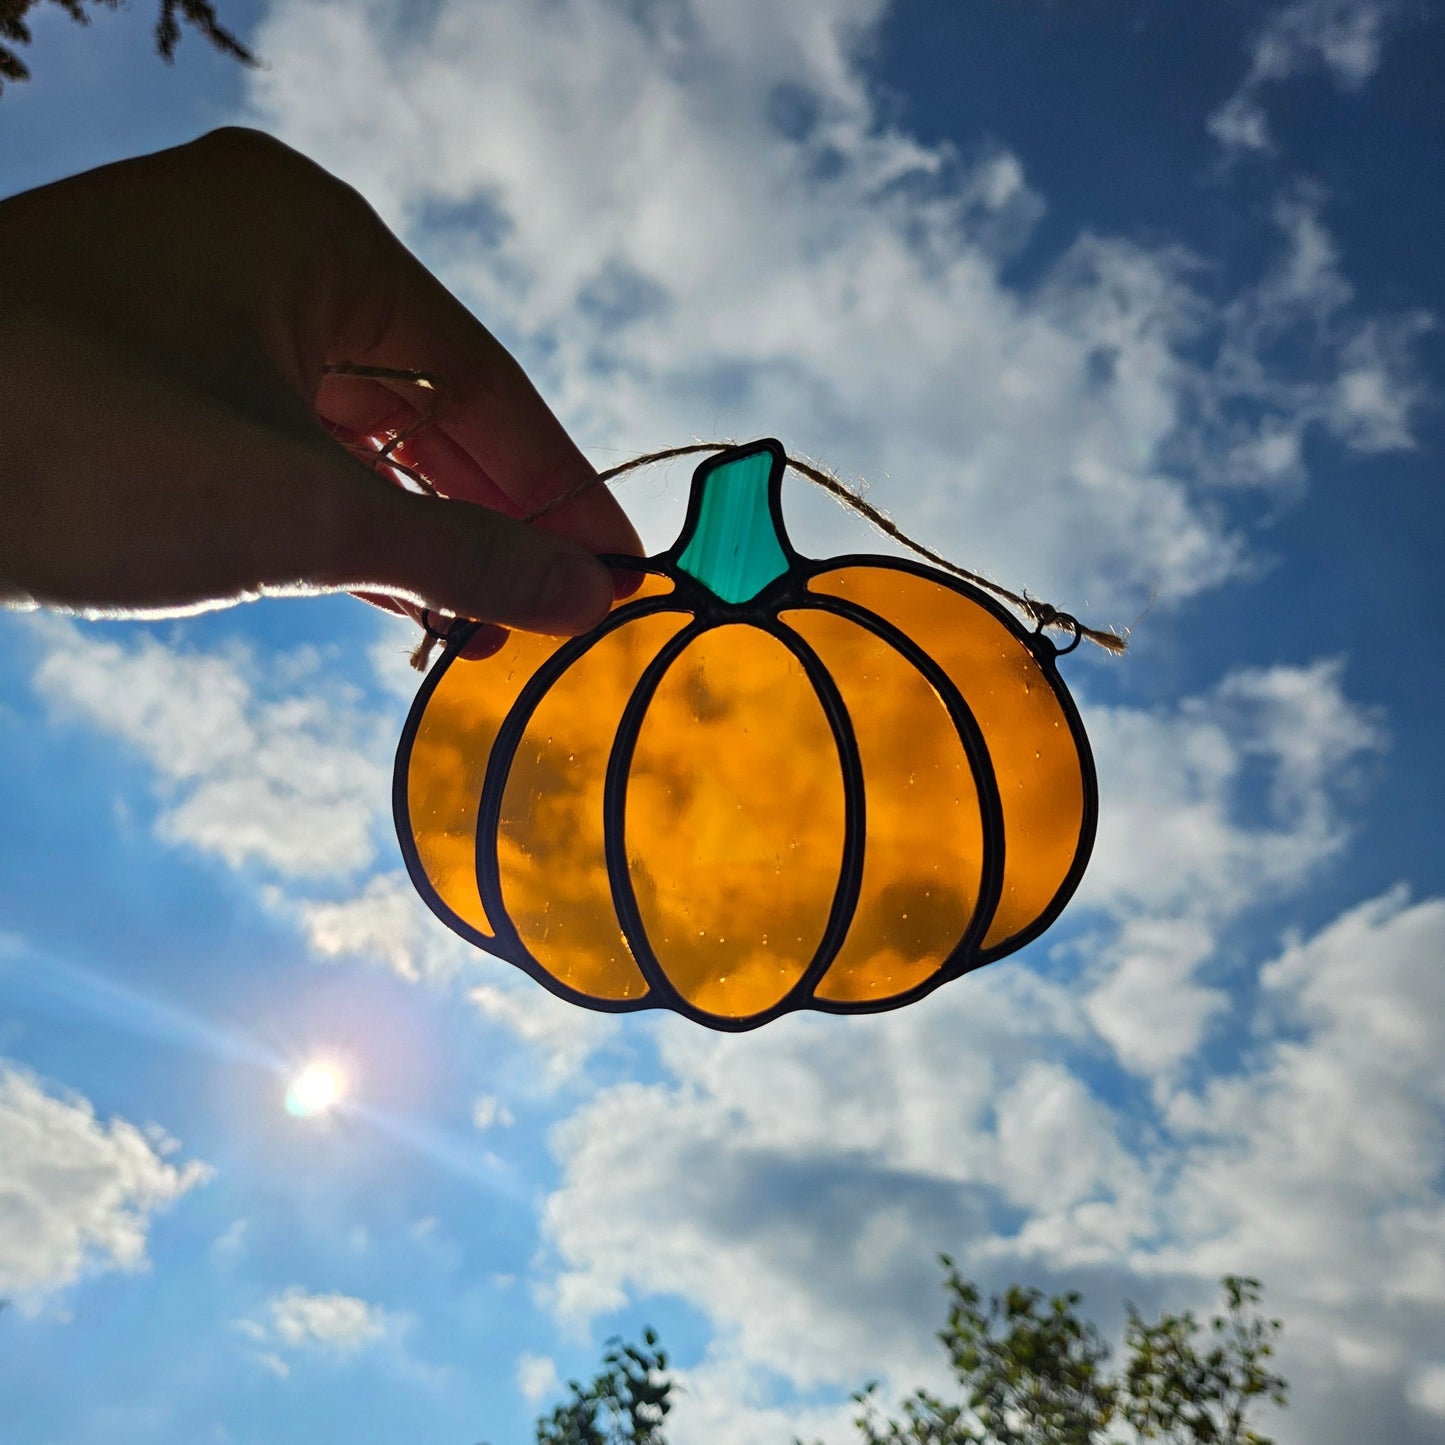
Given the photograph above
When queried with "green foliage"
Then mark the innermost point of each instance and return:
(1178, 1391)
(626, 1404)
(200, 14)
(1030, 1371)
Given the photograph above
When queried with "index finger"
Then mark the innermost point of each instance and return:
(490, 408)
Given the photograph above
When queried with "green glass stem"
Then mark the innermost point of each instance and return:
(734, 548)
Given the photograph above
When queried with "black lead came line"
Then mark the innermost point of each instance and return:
(499, 765)
(614, 819)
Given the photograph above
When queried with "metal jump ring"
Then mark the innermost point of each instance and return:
(1065, 619)
(431, 630)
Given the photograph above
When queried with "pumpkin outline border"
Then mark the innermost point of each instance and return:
(707, 610)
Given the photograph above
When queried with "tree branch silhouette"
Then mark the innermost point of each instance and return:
(174, 14)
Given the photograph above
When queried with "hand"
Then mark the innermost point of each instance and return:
(168, 431)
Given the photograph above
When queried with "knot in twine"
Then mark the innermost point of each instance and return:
(382, 455)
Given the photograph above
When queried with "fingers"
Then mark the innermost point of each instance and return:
(453, 472)
(486, 639)
(491, 411)
(465, 560)
(185, 349)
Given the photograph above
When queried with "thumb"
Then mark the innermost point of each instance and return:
(467, 560)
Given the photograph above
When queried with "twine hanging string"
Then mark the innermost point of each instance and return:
(1040, 613)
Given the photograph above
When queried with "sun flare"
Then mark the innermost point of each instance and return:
(317, 1089)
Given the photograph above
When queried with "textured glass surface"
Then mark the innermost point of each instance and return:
(550, 843)
(734, 827)
(449, 761)
(449, 753)
(923, 857)
(730, 822)
(734, 547)
(1035, 758)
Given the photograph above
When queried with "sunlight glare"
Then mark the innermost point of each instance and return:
(315, 1090)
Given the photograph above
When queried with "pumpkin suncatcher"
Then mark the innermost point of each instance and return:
(762, 783)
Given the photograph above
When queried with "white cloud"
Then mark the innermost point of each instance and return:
(723, 1404)
(1342, 38)
(336, 1322)
(1317, 1167)
(537, 1377)
(1336, 1141)
(1301, 306)
(386, 924)
(274, 1364)
(1241, 123)
(292, 781)
(489, 1112)
(1226, 797)
(1374, 397)
(77, 1195)
(1150, 1007)
(231, 1245)
(298, 1322)
(1223, 801)
(734, 239)
(795, 1184)
(333, 1321)
(298, 781)
(563, 1035)
(1427, 1388)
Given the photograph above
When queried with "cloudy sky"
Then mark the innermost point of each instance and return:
(1134, 304)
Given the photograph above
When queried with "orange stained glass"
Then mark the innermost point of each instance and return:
(735, 821)
(550, 841)
(448, 759)
(1034, 754)
(923, 854)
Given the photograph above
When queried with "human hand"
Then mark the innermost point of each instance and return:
(168, 429)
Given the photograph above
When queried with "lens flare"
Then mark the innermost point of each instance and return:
(315, 1090)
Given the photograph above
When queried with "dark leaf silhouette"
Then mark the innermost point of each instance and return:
(198, 14)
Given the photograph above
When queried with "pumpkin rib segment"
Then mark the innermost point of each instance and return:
(408, 834)
(418, 857)
(499, 767)
(662, 991)
(1088, 827)
(401, 804)
(855, 821)
(975, 748)
(992, 655)
(925, 887)
(842, 891)
(510, 734)
(551, 844)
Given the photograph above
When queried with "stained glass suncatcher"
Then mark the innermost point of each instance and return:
(763, 783)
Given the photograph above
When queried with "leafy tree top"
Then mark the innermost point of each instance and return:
(626, 1403)
(1030, 1370)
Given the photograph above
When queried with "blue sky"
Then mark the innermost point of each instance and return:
(1121, 303)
